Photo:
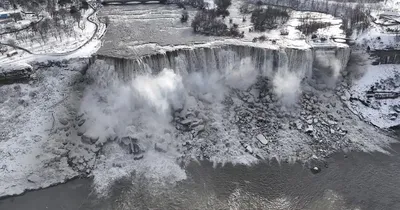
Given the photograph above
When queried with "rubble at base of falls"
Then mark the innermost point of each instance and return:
(64, 141)
(263, 121)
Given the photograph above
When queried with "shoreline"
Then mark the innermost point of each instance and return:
(77, 193)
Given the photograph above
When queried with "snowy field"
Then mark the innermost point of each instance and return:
(161, 25)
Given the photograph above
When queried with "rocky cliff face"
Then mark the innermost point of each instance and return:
(267, 61)
(10, 74)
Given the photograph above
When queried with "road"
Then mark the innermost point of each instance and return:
(89, 19)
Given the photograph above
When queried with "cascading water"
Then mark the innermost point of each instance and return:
(214, 58)
(193, 104)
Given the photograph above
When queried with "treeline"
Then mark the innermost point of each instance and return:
(40, 32)
(50, 6)
(211, 22)
(57, 19)
(355, 16)
(309, 26)
(207, 23)
(269, 18)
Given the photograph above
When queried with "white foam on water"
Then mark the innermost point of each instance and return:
(158, 168)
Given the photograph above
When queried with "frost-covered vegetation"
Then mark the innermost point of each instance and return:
(355, 16)
(210, 22)
(309, 26)
(45, 19)
(269, 18)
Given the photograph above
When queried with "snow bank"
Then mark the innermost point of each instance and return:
(381, 111)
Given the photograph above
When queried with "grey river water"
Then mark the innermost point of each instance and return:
(353, 181)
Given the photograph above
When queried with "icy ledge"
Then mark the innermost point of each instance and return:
(32, 154)
(267, 58)
(15, 72)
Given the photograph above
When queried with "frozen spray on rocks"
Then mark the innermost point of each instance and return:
(209, 103)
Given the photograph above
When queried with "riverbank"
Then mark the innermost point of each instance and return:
(354, 180)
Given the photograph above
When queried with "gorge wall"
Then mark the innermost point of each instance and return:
(267, 61)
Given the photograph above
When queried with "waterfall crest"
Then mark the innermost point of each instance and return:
(226, 58)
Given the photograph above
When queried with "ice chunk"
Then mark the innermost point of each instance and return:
(262, 139)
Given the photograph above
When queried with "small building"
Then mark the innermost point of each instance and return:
(12, 53)
(4, 15)
(9, 16)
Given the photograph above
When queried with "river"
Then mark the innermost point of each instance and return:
(354, 180)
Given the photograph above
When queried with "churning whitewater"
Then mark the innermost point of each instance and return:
(234, 104)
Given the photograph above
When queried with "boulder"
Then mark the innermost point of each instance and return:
(249, 149)
(138, 157)
(262, 139)
(63, 121)
(89, 138)
(332, 122)
(187, 121)
(393, 116)
(81, 122)
(135, 149)
(161, 147)
(315, 170)
(15, 73)
(309, 129)
(299, 126)
(198, 130)
(33, 178)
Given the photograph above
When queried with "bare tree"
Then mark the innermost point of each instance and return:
(76, 14)
(44, 28)
(63, 14)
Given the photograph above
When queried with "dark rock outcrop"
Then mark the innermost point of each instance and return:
(16, 73)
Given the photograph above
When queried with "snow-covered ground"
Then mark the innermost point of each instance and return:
(161, 25)
(32, 155)
(294, 36)
(381, 112)
(63, 47)
(378, 36)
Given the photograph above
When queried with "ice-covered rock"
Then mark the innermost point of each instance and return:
(187, 121)
(89, 138)
(262, 139)
(34, 178)
(81, 122)
(315, 170)
(309, 129)
(63, 121)
(161, 147)
(249, 149)
(15, 72)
